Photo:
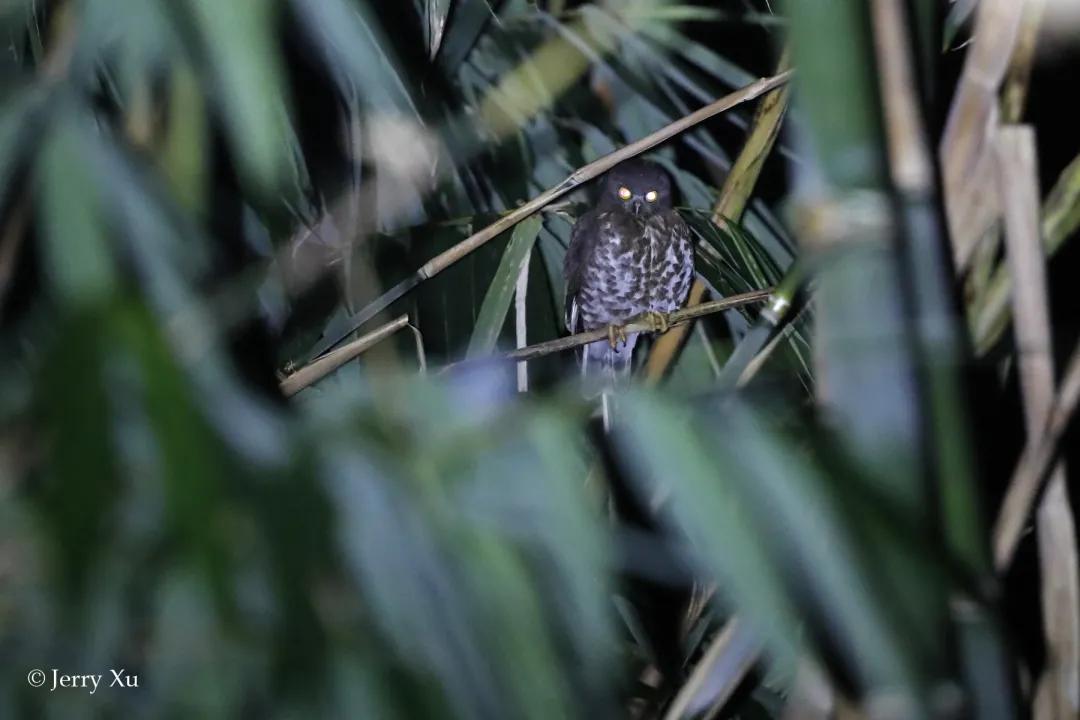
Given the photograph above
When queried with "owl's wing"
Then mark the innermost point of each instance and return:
(583, 238)
(683, 238)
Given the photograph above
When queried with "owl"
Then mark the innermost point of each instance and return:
(630, 254)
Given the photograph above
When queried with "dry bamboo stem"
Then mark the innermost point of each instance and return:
(1033, 470)
(966, 149)
(909, 155)
(1058, 695)
(316, 370)
(1018, 78)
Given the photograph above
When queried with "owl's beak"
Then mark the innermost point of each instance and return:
(637, 206)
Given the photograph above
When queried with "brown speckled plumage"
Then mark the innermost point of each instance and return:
(626, 256)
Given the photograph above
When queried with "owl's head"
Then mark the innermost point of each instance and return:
(638, 186)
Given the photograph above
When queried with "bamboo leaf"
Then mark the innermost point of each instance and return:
(435, 12)
(79, 255)
(492, 315)
(246, 67)
(351, 40)
(988, 315)
(19, 130)
(470, 19)
(667, 459)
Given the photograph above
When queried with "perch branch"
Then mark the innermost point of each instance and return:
(636, 324)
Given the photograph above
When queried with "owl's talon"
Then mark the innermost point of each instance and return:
(615, 335)
(657, 320)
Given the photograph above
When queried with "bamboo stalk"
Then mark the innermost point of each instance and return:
(1057, 693)
(582, 175)
(966, 150)
(983, 282)
(317, 369)
(909, 156)
(1018, 77)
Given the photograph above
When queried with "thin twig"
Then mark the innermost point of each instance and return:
(316, 370)
(584, 174)
(636, 324)
(421, 354)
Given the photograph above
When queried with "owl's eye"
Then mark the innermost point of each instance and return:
(624, 193)
(651, 196)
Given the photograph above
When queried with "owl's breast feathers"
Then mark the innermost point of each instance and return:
(619, 265)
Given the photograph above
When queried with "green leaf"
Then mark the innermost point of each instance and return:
(244, 61)
(19, 131)
(470, 19)
(667, 459)
(76, 497)
(79, 258)
(183, 153)
(359, 54)
(497, 300)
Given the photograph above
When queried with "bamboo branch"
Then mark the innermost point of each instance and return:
(580, 176)
(1034, 467)
(636, 324)
(316, 370)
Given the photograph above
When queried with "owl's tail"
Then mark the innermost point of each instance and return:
(606, 370)
(604, 367)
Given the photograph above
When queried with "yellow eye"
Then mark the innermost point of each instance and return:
(651, 196)
(624, 193)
